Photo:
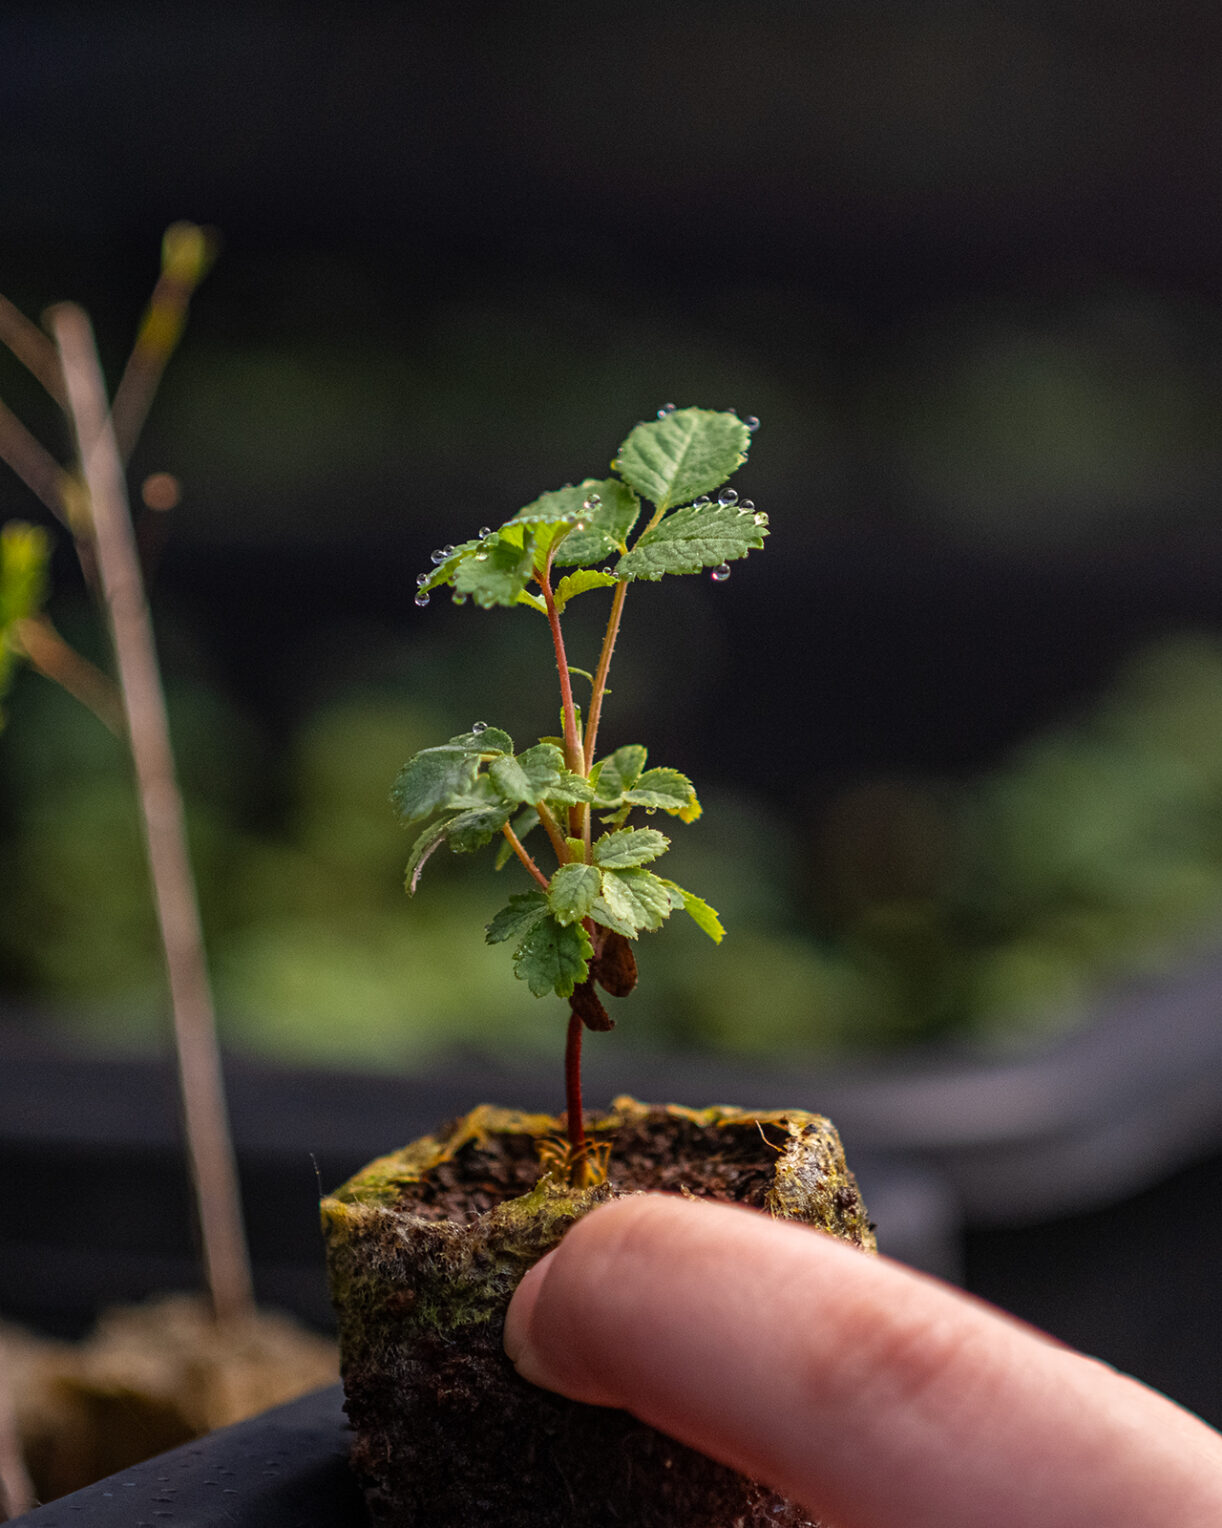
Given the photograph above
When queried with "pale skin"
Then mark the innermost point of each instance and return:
(875, 1396)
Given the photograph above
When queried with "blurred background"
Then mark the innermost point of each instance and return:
(959, 729)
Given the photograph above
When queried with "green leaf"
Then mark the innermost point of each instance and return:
(428, 842)
(483, 740)
(570, 790)
(572, 892)
(699, 911)
(523, 823)
(617, 773)
(472, 830)
(689, 452)
(434, 779)
(700, 536)
(573, 584)
(668, 789)
(498, 573)
(631, 900)
(445, 570)
(517, 917)
(629, 846)
(607, 525)
(553, 957)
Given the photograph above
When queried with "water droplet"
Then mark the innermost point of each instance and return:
(702, 501)
(761, 519)
(422, 578)
(752, 423)
(746, 505)
(447, 551)
(609, 571)
(485, 531)
(458, 599)
(727, 496)
(666, 411)
(720, 573)
(593, 501)
(579, 525)
(422, 600)
(478, 727)
(481, 556)
(438, 556)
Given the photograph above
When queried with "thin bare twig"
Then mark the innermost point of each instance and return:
(46, 651)
(33, 349)
(33, 464)
(16, 1487)
(187, 253)
(208, 1141)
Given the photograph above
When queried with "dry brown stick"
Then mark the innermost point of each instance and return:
(209, 1145)
(46, 651)
(187, 253)
(16, 1487)
(33, 349)
(33, 464)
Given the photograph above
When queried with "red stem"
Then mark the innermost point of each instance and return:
(604, 667)
(574, 758)
(574, 1123)
(516, 844)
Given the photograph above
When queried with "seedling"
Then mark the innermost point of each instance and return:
(573, 931)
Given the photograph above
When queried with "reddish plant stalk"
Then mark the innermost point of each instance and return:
(520, 849)
(573, 1121)
(604, 668)
(573, 756)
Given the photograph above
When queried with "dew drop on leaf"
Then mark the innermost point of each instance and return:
(752, 423)
(458, 599)
(745, 506)
(447, 551)
(438, 556)
(666, 410)
(481, 556)
(422, 600)
(478, 727)
(761, 519)
(484, 530)
(592, 502)
(422, 578)
(720, 573)
(727, 496)
(701, 502)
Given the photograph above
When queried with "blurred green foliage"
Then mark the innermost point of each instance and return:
(993, 909)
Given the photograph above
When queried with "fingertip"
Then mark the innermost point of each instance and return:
(519, 1348)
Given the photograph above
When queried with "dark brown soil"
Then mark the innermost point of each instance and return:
(449, 1436)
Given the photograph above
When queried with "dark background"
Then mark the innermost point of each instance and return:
(962, 259)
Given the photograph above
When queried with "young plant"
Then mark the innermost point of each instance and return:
(572, 931)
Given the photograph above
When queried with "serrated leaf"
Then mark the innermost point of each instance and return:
(698, 910)
(668, 789)
(572, 891)
(498, 573)
(434, 779)
(700, 536)
(445, 570)
(617, 773)
(553, 957)
(517, 917)
(607, 525)
(472, 830)
(573, 584)
(487, 740)
(428, 843)
(690, 452)
(629, 846)
(536, 775)
(631, 900)
(570, 790)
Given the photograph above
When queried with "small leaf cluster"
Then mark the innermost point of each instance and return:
(674, 463)
(569, 931)
(474, 786)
